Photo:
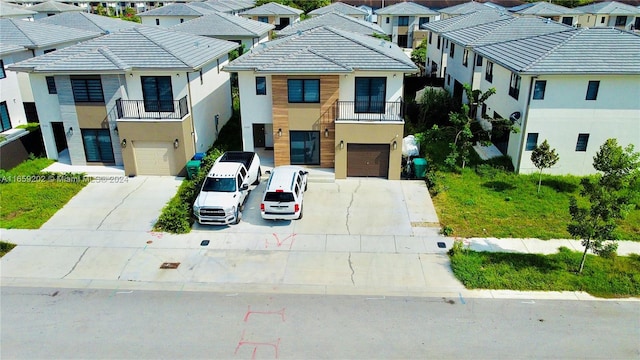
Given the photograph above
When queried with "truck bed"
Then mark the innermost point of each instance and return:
(244, 157)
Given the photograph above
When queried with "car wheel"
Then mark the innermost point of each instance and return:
(300, 217)
(257, 182)
(237, 214)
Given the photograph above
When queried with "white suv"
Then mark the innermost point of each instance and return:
(282, 199)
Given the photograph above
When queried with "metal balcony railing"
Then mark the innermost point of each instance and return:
(152, 109)
(369, 111)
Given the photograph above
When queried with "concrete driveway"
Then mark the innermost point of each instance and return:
(116, 203)
(347, 207)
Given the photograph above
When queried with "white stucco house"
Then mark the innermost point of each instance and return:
(174, 14)
(548, 10)
(89, 22)
(337, 21)
(274, 13)
(404, 21)
(463, 9)
(341, 8)
(610, 14)
(12, 11)
(147, 110)
(51, 8)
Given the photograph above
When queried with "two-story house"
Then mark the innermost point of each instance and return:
(404, 20)
(248, 33)
(575, 88)
(325, 97)
(174, 14)
(89, 22)
(463, 9)
(335, 20)
(341, 8)
(275, 14)
(11, 11)
(50, 8)
(610, 14)
(550, 11)
(145, 98)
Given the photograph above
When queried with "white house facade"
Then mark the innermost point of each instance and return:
(404, 21)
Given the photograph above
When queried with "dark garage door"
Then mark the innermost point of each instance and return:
(368, 160)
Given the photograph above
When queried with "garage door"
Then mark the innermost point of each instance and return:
(154, 158)
(368, 160)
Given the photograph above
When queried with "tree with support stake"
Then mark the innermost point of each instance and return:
(543, 157)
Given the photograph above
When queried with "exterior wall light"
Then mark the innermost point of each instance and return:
(123, 143)
(279, 132)
(341, 144)
(176, 143)
(70, 131)
(394, 145)
(326, 132)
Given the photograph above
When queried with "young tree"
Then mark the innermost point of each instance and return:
(419, 55)
(611, 196)
(543, 157)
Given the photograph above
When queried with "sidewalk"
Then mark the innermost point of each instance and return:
(257, 262)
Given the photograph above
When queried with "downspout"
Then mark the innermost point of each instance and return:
(193, 126)
(525, 119)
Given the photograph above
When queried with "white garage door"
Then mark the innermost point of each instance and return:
(154, 158)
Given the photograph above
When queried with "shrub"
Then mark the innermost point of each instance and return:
(446, 230)
(5, 247)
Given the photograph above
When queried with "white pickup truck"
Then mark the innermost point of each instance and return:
(226, 187)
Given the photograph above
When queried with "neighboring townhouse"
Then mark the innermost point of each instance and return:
(11, 11)
(326, 97)
(575, 88)
(335, 20)
(174, 14)
(437, 55)
(50, 8)
(233, 7)
(341, 8)
(144, 98)
(34, 38)
(371, 16)
(12, 112)
(403, 22)
(245, 32)
(89, 22)
(274, 13)
(550, 11)
(610, 14)
(463, 9)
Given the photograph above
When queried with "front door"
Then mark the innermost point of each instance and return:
(258, 136)
(59, 136)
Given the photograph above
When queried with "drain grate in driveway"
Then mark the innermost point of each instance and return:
(441, 245)
(170, 265)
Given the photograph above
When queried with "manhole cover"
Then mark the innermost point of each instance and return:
(441, 245)
(170, 265)
(204, 243)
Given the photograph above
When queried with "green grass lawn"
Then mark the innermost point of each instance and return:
(602, 277)
(503, 204)
(29, 204)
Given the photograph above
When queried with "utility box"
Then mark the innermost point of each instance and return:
(420, 167)
(193, 167)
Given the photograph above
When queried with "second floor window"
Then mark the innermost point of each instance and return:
(423, 20)
(514, 86)
(370, 94)
(2, 73)
(583, 140)
(488, 75)
(303, 90)
(51, 85)
(87, 90)
(261, 85)
(621, 20)
(465, 57)
(592, 90)
(538, 89)
(263, 19)
(478, 60)
(403, 21)
(157, 93)
(532, 141)
(452, 50)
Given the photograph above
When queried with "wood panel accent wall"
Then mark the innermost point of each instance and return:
(329, 93)
(281, 154)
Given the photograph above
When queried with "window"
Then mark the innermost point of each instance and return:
(48, 51)
(465, 57)
(201, 78)
(532, 141)
(422, 21)
(387, 20)
(97, 145)
(430, 36)
(2, 73)
(602, 20)
(484, 110)
(448, 79)
(621, 20)
(370, 94)
(567, 20)
(488, 75)
(157, 21)
(305, 147)
(403, 41)
(304, 90)
(452, 50)
(261, 85)
(581, 144)
(157, 93)
(514, 86)
(438, 42)
(592, 90)
(403, 21)
(4, 116)
(478, 60)
(87, 90)
(51, 85)
(538, 89)
(263, 19)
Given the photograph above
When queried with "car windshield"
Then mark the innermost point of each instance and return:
(219, 184)
(279, 197)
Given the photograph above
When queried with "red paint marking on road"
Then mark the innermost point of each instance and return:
(275, 345)
(279, 242)
(155, 234)
(249, 312)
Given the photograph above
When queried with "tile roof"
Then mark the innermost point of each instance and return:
(34, 34)
(8, 10)
(88, 22)
(222, 24)
(149, 48)
(505, 30)
(235, 5)
(272, 8)
(178, 9)
(339, 7)
(324, 50)
(575, 51)
(405, 8)
(609, 7)
(6, 49)
(464, 8)
(543, 9)
(336, 20)
(487, 15)
(54, 6)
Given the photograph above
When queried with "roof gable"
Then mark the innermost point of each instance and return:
(272, 8)
(33, 34)
(339, 7)
(88, 22)
(487, 15)
(221, 24)
(544, 9)
(8, 10)
(335, 20)
(464, 8)
(609, 7)
(178, 9)
(405, 8)
(54, 6)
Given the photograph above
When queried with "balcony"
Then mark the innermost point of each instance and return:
(370, 111)
(152, 109)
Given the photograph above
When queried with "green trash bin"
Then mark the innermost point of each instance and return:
(420, 167)
(193, 166)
